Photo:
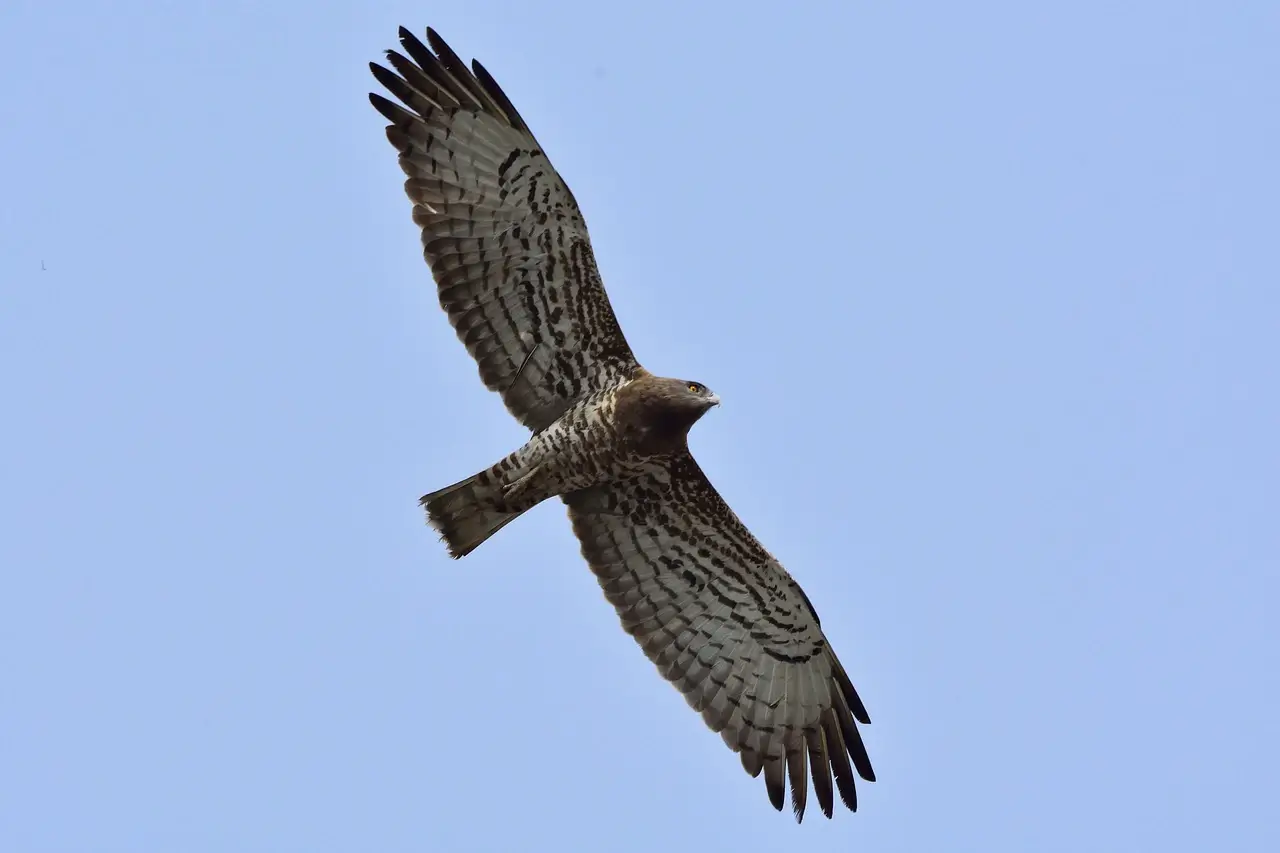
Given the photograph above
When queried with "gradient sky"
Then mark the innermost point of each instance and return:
(991, 292)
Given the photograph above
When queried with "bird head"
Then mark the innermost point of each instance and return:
(664, 409)
(699, 395)
(687, 400)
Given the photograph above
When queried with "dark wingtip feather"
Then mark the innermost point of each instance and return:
(494, 91)
(859, 710)
(390, 110)
(438, 44)
(773, 781)
(417, 50)
(840, 766)
(850, 694)
(848, 792)
(797, 776)
(853, 742)
(472, 86)
(390, 81)
(443, 67)
(820, 767)
(407, 37)
(442, 49)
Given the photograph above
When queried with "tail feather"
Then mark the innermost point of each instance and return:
(466, 514)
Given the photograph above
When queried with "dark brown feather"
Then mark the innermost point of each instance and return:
(413, 75)
(495, 91)
(853, 740)
(850, 695)
(839, 754)
(820, 766)
(392, 111)
(774, 782)
(458, 70)
(435, 70)
(797, 775)
(415, 93)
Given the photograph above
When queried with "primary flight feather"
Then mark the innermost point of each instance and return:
(716, 613)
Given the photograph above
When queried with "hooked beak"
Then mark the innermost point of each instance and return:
(713, 400)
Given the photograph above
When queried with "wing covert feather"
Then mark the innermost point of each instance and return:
(728, 626)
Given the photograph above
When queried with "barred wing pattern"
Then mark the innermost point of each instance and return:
(728, 626)
(503, 235)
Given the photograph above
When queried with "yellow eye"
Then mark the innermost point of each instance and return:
(695, 387)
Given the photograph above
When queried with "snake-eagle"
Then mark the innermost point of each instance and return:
(509, 251)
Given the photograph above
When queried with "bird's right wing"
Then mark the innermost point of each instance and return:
(728, 626)
(502, 233)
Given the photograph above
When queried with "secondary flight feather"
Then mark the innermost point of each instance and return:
(717, 614)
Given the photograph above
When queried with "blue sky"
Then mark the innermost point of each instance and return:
(991, 292)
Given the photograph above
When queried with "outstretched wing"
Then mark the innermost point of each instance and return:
(726, 624)
(503, 235)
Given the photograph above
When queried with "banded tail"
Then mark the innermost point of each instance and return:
(467, 513)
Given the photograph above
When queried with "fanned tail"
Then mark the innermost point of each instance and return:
(467, 513)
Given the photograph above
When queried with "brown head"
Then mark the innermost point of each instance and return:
(657, 412)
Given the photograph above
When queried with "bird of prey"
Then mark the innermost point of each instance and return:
(717, 614)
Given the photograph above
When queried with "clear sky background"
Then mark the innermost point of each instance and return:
(991, 292)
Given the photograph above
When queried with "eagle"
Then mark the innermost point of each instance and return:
(717, 614)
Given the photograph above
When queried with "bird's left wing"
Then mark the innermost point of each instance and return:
(728, 626)
(506, 242)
